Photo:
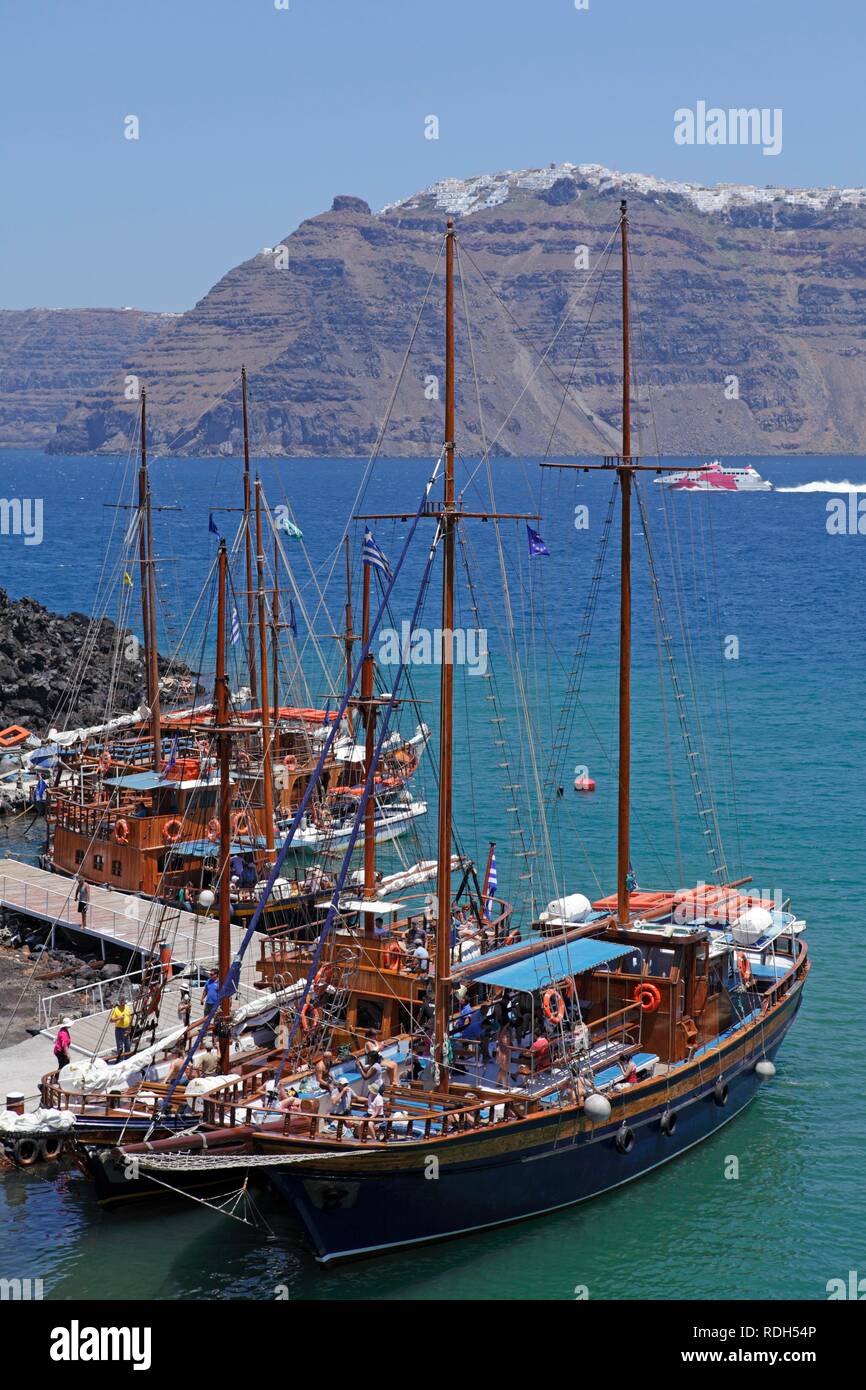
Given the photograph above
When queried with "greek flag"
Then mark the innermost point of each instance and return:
(490, 886)
(172, 758)
(372, 555)
(236, 627)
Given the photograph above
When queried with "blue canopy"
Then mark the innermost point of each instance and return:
(207, 849)
(546, 967)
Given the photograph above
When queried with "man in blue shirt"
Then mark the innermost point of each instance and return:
(210, 993)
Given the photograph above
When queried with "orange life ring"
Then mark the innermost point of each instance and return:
(121, 831)
(241, 824)
(104, 761)
(394, 955)
(323, 977)
(172, 831)
(554, 1005)
(290, 762)
(512, 938)
(16, 733)
(648, 996)
(567, 987)
(213, 831)
(309, 1017)
(744, 967)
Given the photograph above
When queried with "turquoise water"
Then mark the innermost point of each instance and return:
(762, 569)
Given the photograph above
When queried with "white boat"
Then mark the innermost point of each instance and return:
(714, 477)
(331, 830)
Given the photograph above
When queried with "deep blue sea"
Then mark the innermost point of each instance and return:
(765, 608)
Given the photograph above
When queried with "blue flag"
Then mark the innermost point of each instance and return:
(212, 527)
(236, 627)
(536, 544)
(172, 758)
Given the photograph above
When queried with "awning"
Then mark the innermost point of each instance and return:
(546, 967)
(155, 781)
(208, 849)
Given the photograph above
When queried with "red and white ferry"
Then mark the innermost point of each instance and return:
(713, 477)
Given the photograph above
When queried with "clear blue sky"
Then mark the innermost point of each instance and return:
(252, 118)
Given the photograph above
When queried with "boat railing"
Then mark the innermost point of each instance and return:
(446, 1118)
(792, 977)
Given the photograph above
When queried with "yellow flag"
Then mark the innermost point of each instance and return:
(126, 579)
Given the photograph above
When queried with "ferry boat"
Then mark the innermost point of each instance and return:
(715, 477)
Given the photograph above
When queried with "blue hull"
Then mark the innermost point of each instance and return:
(356, 1215)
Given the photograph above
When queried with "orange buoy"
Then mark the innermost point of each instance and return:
(241, 825)
(745, 968)
(309, 1017)
(584, 784)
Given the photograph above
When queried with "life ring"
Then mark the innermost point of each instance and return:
(27, 1152)
(105, 761)
(290, 762)
(745, 969)
(121, 831)
(309, 1017)
(648, 996)
(394, 955)
(566, 987)
(554, 1005)
(512, 938)
(323, 977)
(172, 831)
(213, 831)
(241, 825)
(50, 1147)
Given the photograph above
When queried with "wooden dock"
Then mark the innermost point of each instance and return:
(117, 919)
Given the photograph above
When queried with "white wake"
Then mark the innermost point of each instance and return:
(825, 486)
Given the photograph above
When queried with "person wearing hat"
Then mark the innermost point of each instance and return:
(184, 1007)
(62, 1044)
(375, 1106)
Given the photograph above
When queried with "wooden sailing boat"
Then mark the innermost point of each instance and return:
(664, 1012)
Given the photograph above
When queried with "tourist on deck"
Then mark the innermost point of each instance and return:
(538, 1055)
(370, 1068)
(140, 809)
(210, 993)
(62, 1044)
(209, 1062)
(323, 1070)
(121, 1018)
(376, 1108)
(291, 1102)
(341, 1096)
(502, 1056)
(82, 896)
(419, 960)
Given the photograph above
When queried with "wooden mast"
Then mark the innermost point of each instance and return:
(267, 752)
(148, 595)
(248, 544)
(349, 638)
(448, 525)
(275, 636)
(624, 473)
(369, 717)
(221, 713)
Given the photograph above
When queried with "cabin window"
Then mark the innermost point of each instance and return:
(79, 856)
(370, 1014)
(662, 961)
(98, 861)
(116, 868)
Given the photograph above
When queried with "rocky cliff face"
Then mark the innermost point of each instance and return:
(51, 358)
(59, 670)
(748, 326)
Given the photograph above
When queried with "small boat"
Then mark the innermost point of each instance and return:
(714, 477)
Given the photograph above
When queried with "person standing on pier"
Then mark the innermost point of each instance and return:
(82, 896)
(62, 1044)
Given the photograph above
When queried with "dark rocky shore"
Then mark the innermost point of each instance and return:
(44, 681)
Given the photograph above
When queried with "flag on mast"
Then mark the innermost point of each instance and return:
(212, 527)
(536, 544)
(372, 555)
(236, 627)
(490, 886)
